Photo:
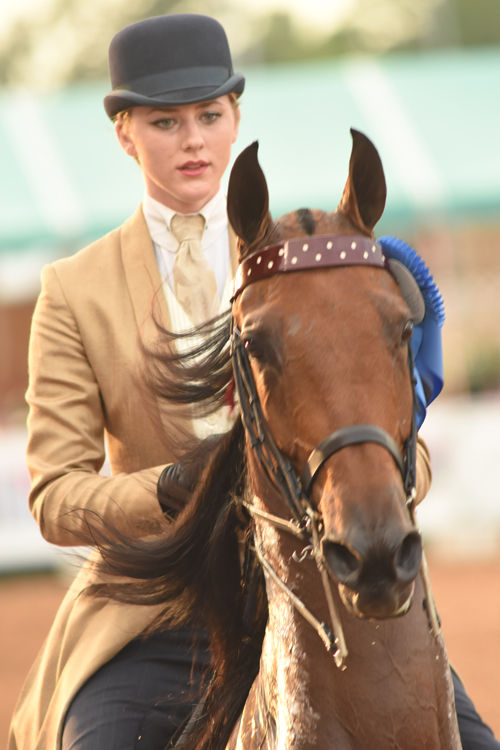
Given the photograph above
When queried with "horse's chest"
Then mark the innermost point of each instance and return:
(278, 714)
(289, 681)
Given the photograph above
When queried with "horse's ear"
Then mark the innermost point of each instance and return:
(363, 200)
(247, 197)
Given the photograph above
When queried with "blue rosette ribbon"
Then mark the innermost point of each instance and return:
(426, 340)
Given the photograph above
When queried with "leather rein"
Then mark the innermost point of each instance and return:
(290, 256)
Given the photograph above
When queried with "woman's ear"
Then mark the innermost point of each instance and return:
(122, 130)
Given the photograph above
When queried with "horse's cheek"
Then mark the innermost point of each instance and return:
(275, 405)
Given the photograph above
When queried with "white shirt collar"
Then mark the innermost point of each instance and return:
(159, 216)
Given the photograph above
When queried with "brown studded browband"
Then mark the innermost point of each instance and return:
(306, 253)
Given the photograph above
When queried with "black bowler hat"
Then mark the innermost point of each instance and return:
(170, 60)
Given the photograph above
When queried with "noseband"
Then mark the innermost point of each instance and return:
(291, 256)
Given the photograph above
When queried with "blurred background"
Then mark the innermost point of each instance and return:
(421, 79)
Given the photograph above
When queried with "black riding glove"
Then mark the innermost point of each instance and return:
(177, 481)
(174, 484)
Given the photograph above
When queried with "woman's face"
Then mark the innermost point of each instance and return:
(183, 151)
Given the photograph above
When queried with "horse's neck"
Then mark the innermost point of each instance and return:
(395, 691)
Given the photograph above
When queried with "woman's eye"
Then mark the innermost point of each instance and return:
(164, 123)
(210, 116)
(407, 331)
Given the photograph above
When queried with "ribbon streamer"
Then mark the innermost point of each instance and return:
(426, 340)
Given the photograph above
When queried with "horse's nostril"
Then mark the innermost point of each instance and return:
(344, 565)
(409, 556)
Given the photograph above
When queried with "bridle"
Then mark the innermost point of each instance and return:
(291, 256)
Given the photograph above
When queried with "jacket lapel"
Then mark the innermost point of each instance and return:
(150, 307)
(143, 277)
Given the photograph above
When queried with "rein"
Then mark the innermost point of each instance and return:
(299, 255)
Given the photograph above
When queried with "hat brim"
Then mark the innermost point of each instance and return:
(120, 99)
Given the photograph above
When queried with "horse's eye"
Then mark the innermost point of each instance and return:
(407, 331)
(252, 347)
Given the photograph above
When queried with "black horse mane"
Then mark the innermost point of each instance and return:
(199, 375)
(194, 567)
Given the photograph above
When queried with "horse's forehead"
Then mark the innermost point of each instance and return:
(353, 287)
(306, 221)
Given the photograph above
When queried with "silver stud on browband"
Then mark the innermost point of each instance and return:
(342, 255)
(270, 264)
(365, 255)
(353, 246)
(305, 247)
(294, 260)
(329, 245)
(374, 248)
(249, 272)
(318, 256)
(281, 252)
(259, 259)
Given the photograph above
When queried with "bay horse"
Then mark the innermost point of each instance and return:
(299, 547)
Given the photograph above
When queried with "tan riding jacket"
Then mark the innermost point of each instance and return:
(84, 356)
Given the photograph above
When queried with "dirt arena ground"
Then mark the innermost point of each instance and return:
(468, 598)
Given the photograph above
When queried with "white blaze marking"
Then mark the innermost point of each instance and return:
(281, 654)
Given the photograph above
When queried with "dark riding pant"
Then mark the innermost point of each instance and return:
(140, 697)
(474, 733)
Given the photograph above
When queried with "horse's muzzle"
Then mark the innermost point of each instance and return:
(377, 582)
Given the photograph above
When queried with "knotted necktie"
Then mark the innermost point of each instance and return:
(194, 280)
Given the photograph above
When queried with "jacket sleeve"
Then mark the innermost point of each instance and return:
(424, 472)
(65, 450)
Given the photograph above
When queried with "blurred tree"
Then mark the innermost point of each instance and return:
(478, 21)
(458, 23)
(281, 40)
(67, 40)
(382, 25)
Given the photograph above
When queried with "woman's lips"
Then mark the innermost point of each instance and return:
(193, 168)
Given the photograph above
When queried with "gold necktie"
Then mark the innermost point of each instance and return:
(194, 280)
